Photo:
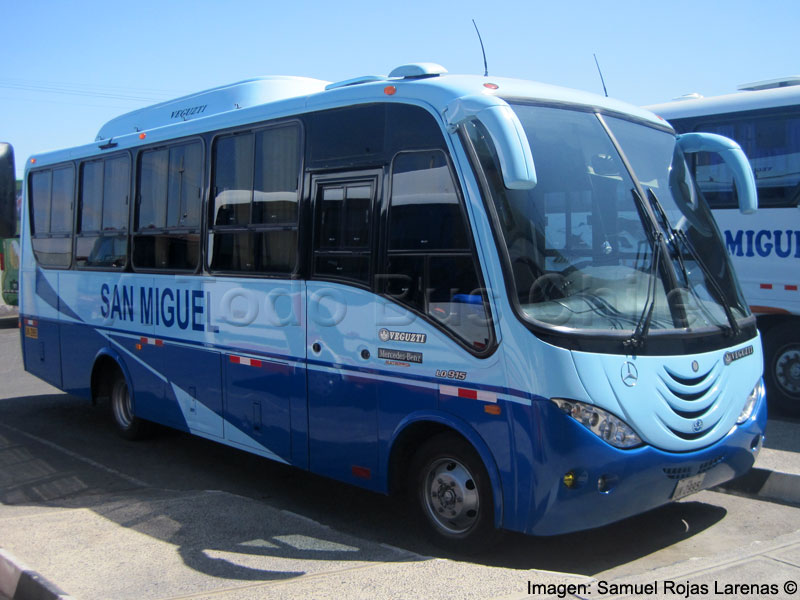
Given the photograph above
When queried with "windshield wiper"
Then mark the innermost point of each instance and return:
(655, 203)
(643, 326)
(712, 281)
(678, 237)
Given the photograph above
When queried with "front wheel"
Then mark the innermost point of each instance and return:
(453, 494)
(127, 423)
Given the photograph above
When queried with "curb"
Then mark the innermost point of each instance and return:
(20, 583)
(763, 484)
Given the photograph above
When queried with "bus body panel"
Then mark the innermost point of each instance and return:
(635, 480)
(41, 335)
(765, 247)
(329, 376)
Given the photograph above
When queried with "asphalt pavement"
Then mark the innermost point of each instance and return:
(88, 516)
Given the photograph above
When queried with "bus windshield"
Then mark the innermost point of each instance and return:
(610, 240)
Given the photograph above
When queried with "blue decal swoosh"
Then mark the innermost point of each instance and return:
(46, 292)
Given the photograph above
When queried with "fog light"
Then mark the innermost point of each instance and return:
(570, 480)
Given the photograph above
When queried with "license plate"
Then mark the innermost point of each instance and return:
(31, 332)
(687, 486)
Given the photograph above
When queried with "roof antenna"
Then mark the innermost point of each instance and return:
(485, 67)
(603, 81)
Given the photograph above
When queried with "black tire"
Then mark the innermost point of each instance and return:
(782, 367)
(128, 425)
(451, 491)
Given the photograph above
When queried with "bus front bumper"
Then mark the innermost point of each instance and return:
(609, 484)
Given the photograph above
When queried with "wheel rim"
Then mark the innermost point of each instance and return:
(450, 495)
(121, 401)
(787, 370)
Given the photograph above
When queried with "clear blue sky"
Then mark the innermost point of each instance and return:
(70, 66)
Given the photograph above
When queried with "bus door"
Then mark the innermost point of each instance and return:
(342, 402)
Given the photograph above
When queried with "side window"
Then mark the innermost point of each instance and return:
(772, 144)
(342, 224)
(101, 239)
(430, 266)
(51, 197)
(253, 226)
(167, 230)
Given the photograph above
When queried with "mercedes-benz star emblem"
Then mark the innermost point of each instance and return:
(629, 374)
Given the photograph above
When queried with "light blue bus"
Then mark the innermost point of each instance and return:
(507, 299)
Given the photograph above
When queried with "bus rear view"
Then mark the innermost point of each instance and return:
(507, 299)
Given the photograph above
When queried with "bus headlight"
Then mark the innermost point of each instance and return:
(747, 411)
(600, 422)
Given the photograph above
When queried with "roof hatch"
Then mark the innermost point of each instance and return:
(418, 70)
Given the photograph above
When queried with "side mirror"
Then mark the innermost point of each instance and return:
(510, 140)
(732, 155)
(8, 192)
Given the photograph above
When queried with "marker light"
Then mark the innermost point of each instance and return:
(142, 136)
(569, 479)
(491, 86)
(33, 161)
(390, 90)
(601, 423)
(750, 404)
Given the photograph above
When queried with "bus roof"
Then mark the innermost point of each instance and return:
(265, 98)
(747, 99)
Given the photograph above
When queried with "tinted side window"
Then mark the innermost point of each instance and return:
(254, 221)
(277, 166)
(51, 196)
(343, 213)
(430, 266)
(63, 195)
(425, 209)
(772, 144)
(101, 239)
(369, 135)
(170, 182)
(41, 194)
(91, 197)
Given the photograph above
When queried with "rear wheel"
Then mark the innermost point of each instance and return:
(453, 495)
(782, 366)
(127, 423)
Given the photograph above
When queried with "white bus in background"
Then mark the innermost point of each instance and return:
(764, 118)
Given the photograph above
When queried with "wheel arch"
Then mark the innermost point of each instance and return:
(105, 361)
(416, 428)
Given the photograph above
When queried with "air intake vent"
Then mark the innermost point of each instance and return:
(691, 395)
